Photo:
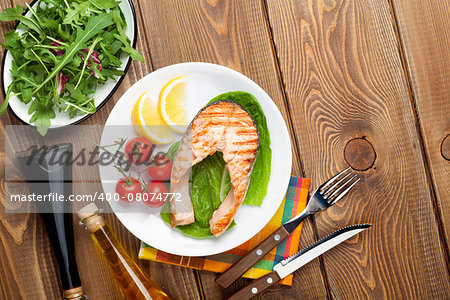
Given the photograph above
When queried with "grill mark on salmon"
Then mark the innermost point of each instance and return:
(223, 126)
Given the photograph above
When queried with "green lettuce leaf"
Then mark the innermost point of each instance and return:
(210, 185)
(194, 229)
(217, 177)
(201, 195)
(260, 176)
(211, 180)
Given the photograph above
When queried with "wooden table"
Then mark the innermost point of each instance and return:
(364, 83)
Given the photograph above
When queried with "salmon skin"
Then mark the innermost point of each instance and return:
(223, 126)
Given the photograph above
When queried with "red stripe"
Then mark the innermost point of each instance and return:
(287, 250)
(299, 183)
(296, 198)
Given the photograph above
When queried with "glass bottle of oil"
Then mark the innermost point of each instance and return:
(133, 282)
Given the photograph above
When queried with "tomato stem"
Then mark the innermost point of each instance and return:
(119, 143)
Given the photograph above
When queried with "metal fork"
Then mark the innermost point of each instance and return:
(327, 194)
(323, 197)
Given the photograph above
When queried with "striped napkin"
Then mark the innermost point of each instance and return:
(293, 203)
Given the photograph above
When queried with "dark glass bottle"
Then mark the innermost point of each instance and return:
(49, 172)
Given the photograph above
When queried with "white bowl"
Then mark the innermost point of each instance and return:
(103, 93)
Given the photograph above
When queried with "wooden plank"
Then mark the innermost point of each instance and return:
(23, 236)
(166, 276)
(234, 34)
(19, 233)
(344, 80)
(423, 31)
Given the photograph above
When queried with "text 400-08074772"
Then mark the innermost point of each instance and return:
(54, 197)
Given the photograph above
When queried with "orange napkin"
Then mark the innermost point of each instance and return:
(293, 203)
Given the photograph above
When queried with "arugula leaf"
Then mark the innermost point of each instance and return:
(115, 46)
(15, 14)
(41, 117)
(88, 57)
(55, 3)
(76, 94)
(63, 33)
(118, 18)
(74, 14)
(134, 54)
(111, 73)
(12, 41)
(93, 27)
(104, 4)
(112, 59)
(5, 102)
(122, 37)
(13, 44)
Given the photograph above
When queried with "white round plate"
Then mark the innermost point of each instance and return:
(205, 81)
(103, 93)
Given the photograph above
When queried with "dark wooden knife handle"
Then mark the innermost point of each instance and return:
(256, 286)
(246, 262)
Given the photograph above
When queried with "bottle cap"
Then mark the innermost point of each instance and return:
(90, 218)
(74, 294)
(87, 211)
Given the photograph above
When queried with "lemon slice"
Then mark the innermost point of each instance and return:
(147, 122)
(172, 104)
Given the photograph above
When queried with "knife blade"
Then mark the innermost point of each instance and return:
(298, 260)
(246, 262)
(322, 198)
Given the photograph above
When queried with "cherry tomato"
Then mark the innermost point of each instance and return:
(138, 150)
(156, 195)
(128, 188)
(160, 169)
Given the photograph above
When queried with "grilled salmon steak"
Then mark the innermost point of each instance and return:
(223, 126)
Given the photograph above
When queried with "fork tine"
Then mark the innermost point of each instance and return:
(336, 191)
(337, 183)
(339, 197)
(329, 181)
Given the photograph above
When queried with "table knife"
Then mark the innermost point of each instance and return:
(298, 260)
(326, 195)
